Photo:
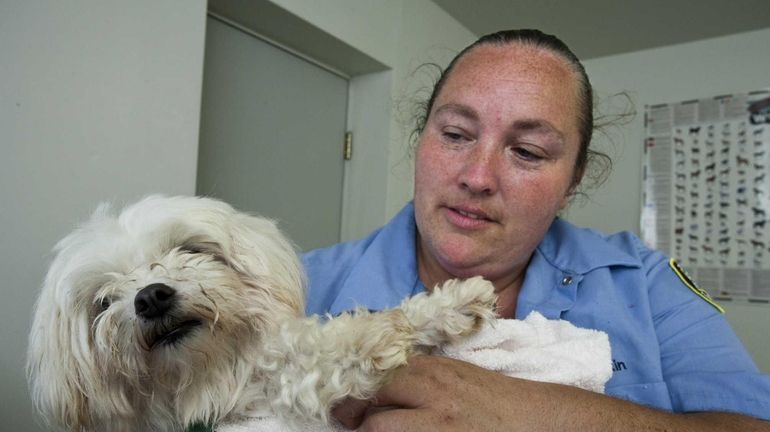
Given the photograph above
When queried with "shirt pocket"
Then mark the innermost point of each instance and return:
(654, 394)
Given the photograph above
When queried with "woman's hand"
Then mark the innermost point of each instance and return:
(437, 393)
(441, 394)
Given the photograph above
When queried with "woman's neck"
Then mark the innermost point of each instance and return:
(507, 287)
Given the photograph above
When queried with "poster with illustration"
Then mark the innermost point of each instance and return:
(706, 191)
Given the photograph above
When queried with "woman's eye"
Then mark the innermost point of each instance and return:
(453, 136)
(525, 154)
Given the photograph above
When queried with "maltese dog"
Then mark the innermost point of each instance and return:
(182, 310)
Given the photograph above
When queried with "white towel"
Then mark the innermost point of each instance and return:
(539, 349)
(535, 348)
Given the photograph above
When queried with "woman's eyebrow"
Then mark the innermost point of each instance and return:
(536, 125)
(459, 109)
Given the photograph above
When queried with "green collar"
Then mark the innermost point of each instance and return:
(200, 427)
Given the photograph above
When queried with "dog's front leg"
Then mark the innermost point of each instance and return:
(319, 364)
(352, 355)
(452, 311)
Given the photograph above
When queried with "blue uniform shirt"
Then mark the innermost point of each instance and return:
(671, 349)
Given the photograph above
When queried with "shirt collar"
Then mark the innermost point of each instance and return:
(387, 271)
(579, 250)
(560, 262)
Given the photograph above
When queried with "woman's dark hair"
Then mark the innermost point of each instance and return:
(551, 43)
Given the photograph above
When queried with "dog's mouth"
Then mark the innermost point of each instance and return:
(169, 336)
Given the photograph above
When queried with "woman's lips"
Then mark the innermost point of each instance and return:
(467, 218)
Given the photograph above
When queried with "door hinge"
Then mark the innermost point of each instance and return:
(348, 152)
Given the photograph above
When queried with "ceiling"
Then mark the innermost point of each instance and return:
(597, 28)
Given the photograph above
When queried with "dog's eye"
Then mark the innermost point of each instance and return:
(105, 304)
(195, 248)
(192, 249)
(207, 248)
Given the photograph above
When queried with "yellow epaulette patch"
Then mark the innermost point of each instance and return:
(682, 275)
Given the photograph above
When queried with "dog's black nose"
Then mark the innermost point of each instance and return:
(154, 300)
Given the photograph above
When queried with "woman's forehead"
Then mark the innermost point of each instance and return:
(515, 81)
(513, 61)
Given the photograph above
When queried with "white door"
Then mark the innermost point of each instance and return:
(272, 134)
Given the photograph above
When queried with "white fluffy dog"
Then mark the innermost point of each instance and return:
(183, 310)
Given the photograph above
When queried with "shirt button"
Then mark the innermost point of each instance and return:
(566, 280)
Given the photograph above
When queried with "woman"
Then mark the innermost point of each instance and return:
(503, 146)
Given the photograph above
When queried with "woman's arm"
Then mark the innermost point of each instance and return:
(436, 393)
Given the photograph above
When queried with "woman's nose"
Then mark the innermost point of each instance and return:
(479, 172)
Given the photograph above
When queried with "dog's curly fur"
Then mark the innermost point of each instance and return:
(233, 340)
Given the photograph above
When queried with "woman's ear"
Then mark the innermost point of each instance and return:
(572, 190)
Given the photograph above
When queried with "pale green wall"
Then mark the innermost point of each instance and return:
(99, 100)
(371, 26)
(736, 63)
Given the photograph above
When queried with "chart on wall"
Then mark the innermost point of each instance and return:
(706, 190)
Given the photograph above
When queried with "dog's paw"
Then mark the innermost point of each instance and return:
(456, 309)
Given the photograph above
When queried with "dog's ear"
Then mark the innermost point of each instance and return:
(61, 368)
(267, 259)
(59, 361)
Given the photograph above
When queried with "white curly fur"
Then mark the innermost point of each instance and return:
(94, 364)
